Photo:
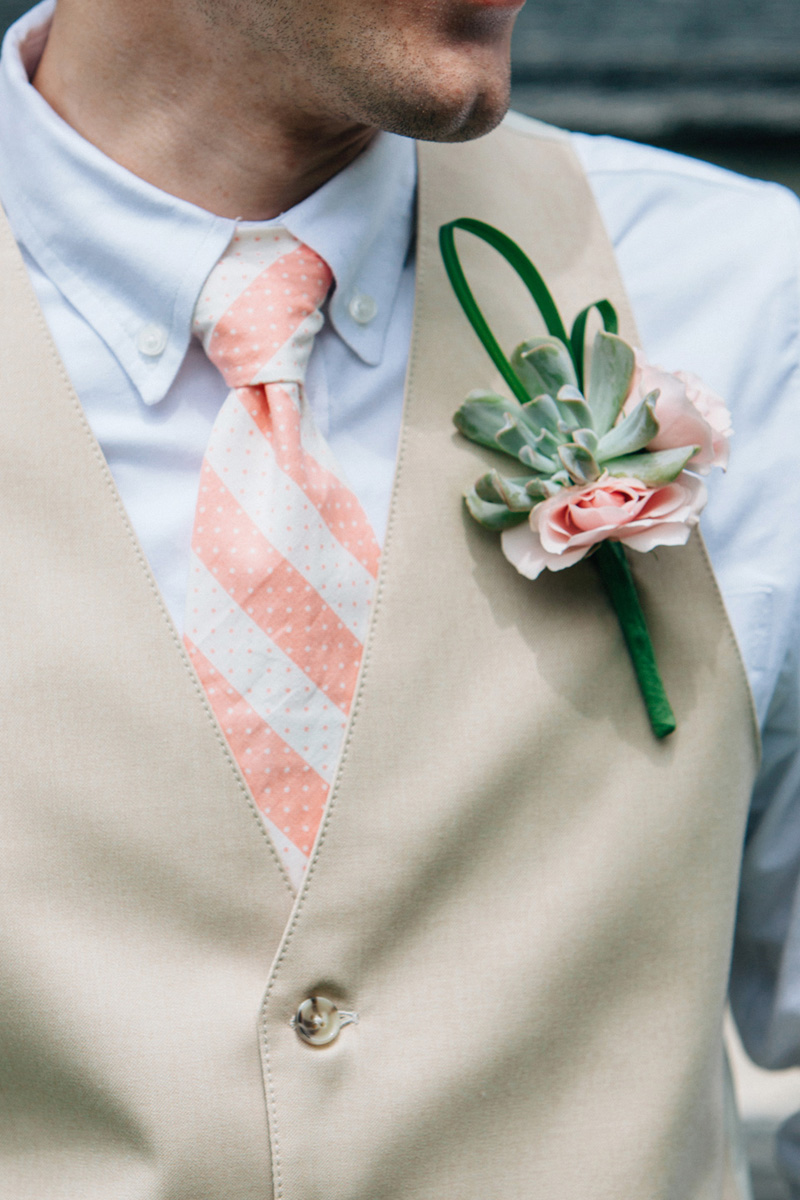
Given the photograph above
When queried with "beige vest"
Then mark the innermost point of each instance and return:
(527, 899)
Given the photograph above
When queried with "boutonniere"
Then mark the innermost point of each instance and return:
(602, 463)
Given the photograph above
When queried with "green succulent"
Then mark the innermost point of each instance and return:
(560, 436)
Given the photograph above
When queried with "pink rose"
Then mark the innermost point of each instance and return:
(688, 414)
(561, 530)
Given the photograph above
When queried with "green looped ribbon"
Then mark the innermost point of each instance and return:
(609, 559)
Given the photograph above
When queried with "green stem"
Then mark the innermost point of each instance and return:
(618, 581)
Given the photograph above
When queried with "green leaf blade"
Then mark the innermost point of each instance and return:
(580, 463)
(492, 516)
(541, 413)
(544, 364)
(652, 469)
(482, 416)
(631, 434)
(499, 489)
(610, 378)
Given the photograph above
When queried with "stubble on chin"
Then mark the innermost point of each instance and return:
(429, 122)
(371, 76)
(401, 102)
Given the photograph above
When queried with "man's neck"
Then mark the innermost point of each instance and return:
(218, 124)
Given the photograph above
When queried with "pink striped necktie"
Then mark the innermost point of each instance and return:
(283, 557)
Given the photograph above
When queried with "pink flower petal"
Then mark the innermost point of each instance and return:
(523, 549)
(564, 528)
(688, 413)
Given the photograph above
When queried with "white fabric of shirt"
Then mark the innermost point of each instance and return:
(711, 262)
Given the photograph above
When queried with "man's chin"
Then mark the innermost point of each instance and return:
(479, 121)
(436, 122)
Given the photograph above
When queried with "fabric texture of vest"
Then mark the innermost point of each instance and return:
(527, 899)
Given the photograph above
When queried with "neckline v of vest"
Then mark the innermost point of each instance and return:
(556, 222)
(447, 176)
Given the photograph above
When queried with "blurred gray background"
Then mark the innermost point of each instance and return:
(717, 79)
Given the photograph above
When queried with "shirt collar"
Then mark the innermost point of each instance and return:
(132, 259)
(361, 223)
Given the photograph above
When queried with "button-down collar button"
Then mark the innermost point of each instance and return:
(152, 340)
(363, 308)
(318, 1021)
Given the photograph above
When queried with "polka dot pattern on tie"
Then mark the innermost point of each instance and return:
(284, 560)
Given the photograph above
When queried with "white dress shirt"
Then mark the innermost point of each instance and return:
(711, 262)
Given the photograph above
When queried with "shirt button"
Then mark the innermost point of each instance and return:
(152, 340)
(363, 308)
(318, 1021)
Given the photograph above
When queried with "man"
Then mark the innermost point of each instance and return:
(498, 967)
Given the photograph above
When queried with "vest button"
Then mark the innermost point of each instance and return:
(318, 1021)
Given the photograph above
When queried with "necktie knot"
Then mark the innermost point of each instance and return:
(258, 311)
